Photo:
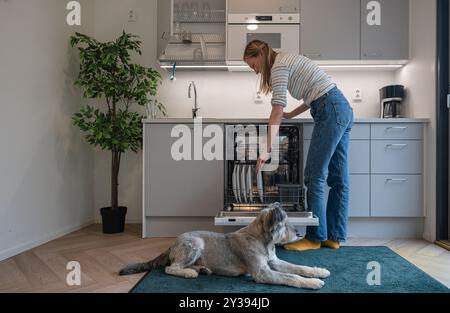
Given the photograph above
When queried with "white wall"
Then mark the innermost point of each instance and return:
(419, 77)
(46, 180)
(220, 94)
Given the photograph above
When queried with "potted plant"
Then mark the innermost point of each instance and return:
(107, 74)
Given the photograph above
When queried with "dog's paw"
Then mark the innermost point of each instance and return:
(190, 273)
(314, 284)
(203, 270)
(320, 272)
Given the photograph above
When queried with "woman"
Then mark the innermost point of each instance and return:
(327, 160)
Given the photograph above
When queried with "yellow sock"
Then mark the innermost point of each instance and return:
(331, 244)
(303, 245)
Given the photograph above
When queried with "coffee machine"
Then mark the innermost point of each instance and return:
(391, 98)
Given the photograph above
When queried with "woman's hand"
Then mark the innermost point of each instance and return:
(287, 115)
(261, 160)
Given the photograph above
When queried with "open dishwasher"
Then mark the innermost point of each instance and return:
(247, 193)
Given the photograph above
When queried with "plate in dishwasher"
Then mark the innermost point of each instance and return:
(244, 218)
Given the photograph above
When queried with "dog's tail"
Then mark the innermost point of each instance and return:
(160, 261)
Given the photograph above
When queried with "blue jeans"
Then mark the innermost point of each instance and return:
(327, 162)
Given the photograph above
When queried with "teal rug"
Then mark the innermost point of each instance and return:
(348, 267)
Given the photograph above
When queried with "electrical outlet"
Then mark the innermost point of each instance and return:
(132, 16)
(357, 95)
(258, 98)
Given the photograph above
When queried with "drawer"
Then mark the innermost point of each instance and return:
(358, 132)
(358, 158)
(396, 157)
(396, 196)
(397, 131)
(359, 203)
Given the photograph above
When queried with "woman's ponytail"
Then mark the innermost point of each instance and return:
(253, 49)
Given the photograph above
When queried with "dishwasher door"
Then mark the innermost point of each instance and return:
(235, 218)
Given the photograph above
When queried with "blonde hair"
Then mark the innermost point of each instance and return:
(253, 49)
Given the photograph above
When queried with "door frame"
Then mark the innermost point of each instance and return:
(442, 121)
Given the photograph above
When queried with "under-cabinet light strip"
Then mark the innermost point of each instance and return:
(381, 66)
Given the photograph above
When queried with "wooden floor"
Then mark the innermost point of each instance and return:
(43, 269)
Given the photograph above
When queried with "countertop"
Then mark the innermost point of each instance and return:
(263, 121)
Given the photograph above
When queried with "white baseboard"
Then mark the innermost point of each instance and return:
(127, 221)
(8, 253)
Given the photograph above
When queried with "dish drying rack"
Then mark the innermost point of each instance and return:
(204, 47)
(199, 16)
(290, 196)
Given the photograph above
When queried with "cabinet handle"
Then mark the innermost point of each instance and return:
(373, 54)
(313, 54)
(396, 145)
(396, 180)
(396, 128)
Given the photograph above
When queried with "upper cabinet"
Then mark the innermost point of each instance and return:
(191, 31)
(384, 29)
(330, 29)
(355, 29)
(201, 34)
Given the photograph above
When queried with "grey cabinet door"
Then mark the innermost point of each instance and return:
(164, 8)
(330, 29)
(358, 156)
(359, 203)
(388, 39)
(396, 157)
(396, 196)
(179, 188)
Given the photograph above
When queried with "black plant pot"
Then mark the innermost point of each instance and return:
(113, 220)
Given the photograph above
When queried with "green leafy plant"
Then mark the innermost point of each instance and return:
(107, 73)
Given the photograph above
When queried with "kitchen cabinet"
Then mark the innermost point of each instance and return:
(191, 32)
(185, 188)
(330, 30)
(397, 170)
(385, 37)
(359, 167)
(386, 169)
(354, 30)
(180, 196)
(396, 196)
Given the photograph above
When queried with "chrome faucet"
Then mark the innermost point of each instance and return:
(195, 109)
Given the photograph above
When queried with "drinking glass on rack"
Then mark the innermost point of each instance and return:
(178, 32)
(176, 11)
(206, 11)
(194, 10)
(185, 11)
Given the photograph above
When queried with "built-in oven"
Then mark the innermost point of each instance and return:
(246, 192)
(281, 31)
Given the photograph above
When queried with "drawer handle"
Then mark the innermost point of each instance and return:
(396, 128)
(396, 180)
(397, 145)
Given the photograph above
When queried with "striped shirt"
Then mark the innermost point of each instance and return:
(300, 76)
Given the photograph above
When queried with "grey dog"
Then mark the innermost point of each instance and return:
(250, 250)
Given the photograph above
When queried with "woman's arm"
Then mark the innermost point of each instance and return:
(274, 126)
(302, 108)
